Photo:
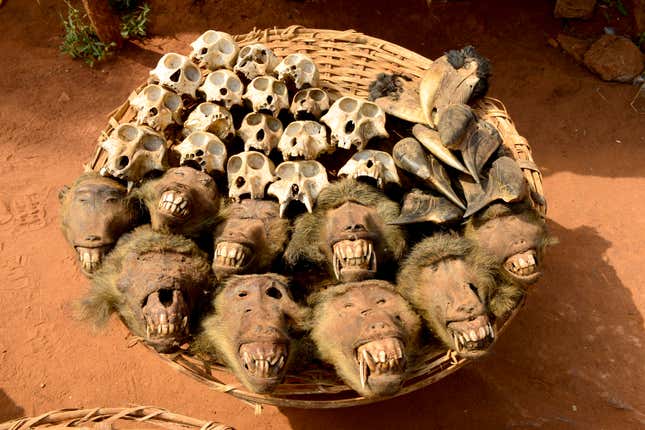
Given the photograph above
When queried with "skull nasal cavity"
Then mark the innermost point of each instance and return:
(274, 292)
(269, 99)
(165, 297)
(122, 162)
(369, 163)
(175, 76)
(349, 127)
(240, 181)
(355, 227)
(259, 135)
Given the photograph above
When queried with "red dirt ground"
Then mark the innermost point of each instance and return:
(573, 359)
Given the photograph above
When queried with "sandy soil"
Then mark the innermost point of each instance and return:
(573, 359)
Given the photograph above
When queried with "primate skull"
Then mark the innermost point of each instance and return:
(298, 71)
(157, 107)
(178, 73)
(214, 50)
(299, 181)
(250, 329)
(304, 139)
(260, 131)
(266, 93)
(211, 118)
(255, 60)
(249, 173)
(203, 151)
(223, 87)
(251, 237)
(94, 214)
(310, 103)
(354, 121)
(368, 332)
(370, 163)
(134, 151)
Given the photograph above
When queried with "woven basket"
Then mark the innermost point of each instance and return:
(105, 418)
(347, 61)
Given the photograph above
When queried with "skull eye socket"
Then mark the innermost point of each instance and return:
(260, 84)
(172, 102)
(274, 124)
(216, 78)
(192, 73)
(280, 88)
(255, 161)
(310, 169)
(312, 128)
(215, 148)
(273, 292)
(369, 110)
(210, 37)
(172, 61)
(253, 119)
(293, 129)
(317, 95)
(225, 46)
(234, 84)
(347, 105)
(234, 164)
(261, 56)
(245, 51)
(207, 109)
(127, 132)
(286, 170)
(152, 143)
(152, 92)
(308, 67)
(291, 59)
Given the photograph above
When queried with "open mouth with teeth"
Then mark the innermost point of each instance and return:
(174, 204)
(264, 363)
(166, 319)
(523, 266)
(91, 258)
(354, 260)
(381, 364)
(472, 337)
(232, 255)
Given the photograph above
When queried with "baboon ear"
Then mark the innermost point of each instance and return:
(62, 193)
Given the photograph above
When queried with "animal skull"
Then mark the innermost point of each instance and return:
(202, 150)
(305, 139)
(249, 172)
(298, 70)
(378, 165)
(298, 181)
(354, 121)
(133, 151)
(260, 131)
(157, 107)
(223, 87)
(214, 50)
(211, 118)
(310, 103)
(267, 93)
(255, 60)
(177, 73)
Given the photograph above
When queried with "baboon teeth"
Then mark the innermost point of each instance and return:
(90, 258)
(473, 337)
(161, 326)
(231, 254)
(262, 359)
(522, 264)
(354, 254)
(174, 203)
(379, 357)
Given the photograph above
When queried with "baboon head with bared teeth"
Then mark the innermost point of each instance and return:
(449, 283)
(154, 282)
(251, 328)
(250, 238)
(182, 201)
(348, 232)
(368, 332)
(94, 213)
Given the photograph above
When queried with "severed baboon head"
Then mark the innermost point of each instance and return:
(154, 281)
(368, 332)
(251, 237)
(251, 328)
(94, 213)
(515, 236)
(182, 201)
(450, 283)
(348, 232)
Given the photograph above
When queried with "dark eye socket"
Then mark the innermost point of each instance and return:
(242, 294)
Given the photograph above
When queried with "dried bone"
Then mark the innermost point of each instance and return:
(430, 139)
(223, 87)
(297, 70)
(249, 173)
(255, 60)
(260, 131)
(204, 151)
(212, 118)
(299, 181)
(178, 73)
(265, 93)
(157, 107)
(310, 103)
(370, 163)
(304, 139)
(354, 121)
(214, 50)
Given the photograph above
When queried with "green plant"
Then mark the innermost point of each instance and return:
(133, 24)
(80, 39)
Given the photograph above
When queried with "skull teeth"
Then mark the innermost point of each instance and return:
(380, 357)
(90, 258)
(230, 254)
(473, 338)
(263, 360)
(174, 203)
(522, 264)
(161, 326)
(354, 254)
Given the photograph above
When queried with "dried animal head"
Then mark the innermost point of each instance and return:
(249, 240)
(249, 173)
(310, 103)
(176, 72)
(298, 181)
(304, 139)
(297, 71)
(354, 121)
(154, 281)
(157, 107)
(203, 151)
(266, 93)
(260, 131)
(133, 151)
(211, 118)
(214, 50)
(223, 87)
(348, 232)
(368, 332)
(370, 163)
(449, 283)
(423, 206)
(182, 201)
(254, 315)
(255, 60)
(94, 214)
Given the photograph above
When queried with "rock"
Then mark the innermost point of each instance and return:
(615, 58)
(574, 46)
(574, 8)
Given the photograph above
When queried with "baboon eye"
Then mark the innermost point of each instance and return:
(380, 301)
(242, 294)
(473, 288)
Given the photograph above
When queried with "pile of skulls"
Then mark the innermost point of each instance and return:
(221, 223)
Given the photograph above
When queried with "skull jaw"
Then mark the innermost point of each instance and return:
(470, 338)
(385, 377)
(262, 363)
(165, 318)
